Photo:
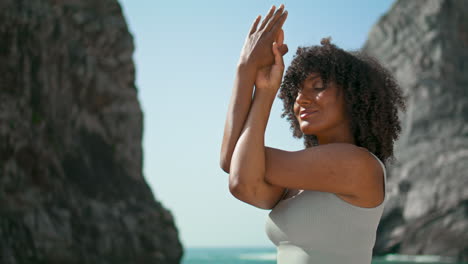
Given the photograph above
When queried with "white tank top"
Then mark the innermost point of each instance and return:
(319, 227)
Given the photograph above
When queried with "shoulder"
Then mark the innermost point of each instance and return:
(345, 158)
(334, 156)
(339, 168)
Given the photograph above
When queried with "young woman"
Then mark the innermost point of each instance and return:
(328, 198)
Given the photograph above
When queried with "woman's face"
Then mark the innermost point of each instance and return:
(320, 110)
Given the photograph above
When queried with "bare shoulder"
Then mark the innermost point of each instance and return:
(339, 168)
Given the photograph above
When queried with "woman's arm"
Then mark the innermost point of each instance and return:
(253, 55)
(247, 178)
(238, 109)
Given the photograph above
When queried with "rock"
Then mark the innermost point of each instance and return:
(71, 183)
(425, 45)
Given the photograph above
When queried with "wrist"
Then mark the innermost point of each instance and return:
(267, 93)
(246, 63)
(271, 88)
(246, 70)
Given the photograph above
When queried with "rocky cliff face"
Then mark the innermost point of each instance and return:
(425, 44)
(71, 184)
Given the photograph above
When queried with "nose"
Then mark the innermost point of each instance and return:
(301, 99)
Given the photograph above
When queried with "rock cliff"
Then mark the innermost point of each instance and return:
(425, 44)
(71, 184)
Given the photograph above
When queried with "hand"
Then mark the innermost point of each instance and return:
(257, 52)
(269, 77)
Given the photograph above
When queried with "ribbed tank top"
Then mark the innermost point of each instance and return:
(321, 228)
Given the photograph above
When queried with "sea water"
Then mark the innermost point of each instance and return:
(268, 256)
(229, 255)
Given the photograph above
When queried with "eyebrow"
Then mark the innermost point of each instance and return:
(312, 77)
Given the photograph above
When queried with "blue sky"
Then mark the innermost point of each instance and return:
(186, 54)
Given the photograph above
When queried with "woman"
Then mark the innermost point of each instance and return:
(328, 198)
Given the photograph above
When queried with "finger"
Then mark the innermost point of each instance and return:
(280, 38)
(283, 49)
(275, 18)
(280, 22)
(253, 28)
(267, 17)
(278, 55)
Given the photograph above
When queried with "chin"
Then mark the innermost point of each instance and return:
(308, 131)
(313, 130)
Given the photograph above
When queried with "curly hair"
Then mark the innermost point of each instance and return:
(371, 94)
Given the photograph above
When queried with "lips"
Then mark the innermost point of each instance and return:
(305, 113)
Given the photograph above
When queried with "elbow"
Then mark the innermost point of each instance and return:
(225, 166)
(224, 162)
(235, 188)
(246, 193)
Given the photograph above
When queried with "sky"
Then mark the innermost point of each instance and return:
(186, 54)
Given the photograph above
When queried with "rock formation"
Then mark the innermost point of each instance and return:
(425, 44)
(71, 184)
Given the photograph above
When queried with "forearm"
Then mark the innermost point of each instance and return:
(238, 110)
(248, 159)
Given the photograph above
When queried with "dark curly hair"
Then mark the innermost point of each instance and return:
(371, 93)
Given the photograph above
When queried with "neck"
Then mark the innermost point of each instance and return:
(341, 134)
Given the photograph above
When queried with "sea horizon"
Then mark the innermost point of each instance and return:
(267, 255)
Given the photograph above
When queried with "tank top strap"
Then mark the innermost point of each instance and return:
(381, 163)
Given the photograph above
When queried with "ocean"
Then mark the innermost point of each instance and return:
(268, 256)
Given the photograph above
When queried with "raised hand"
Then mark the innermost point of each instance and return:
(269, 77)
(257, 51)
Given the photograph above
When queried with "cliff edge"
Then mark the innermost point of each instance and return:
(425, 45)
(71, 184)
